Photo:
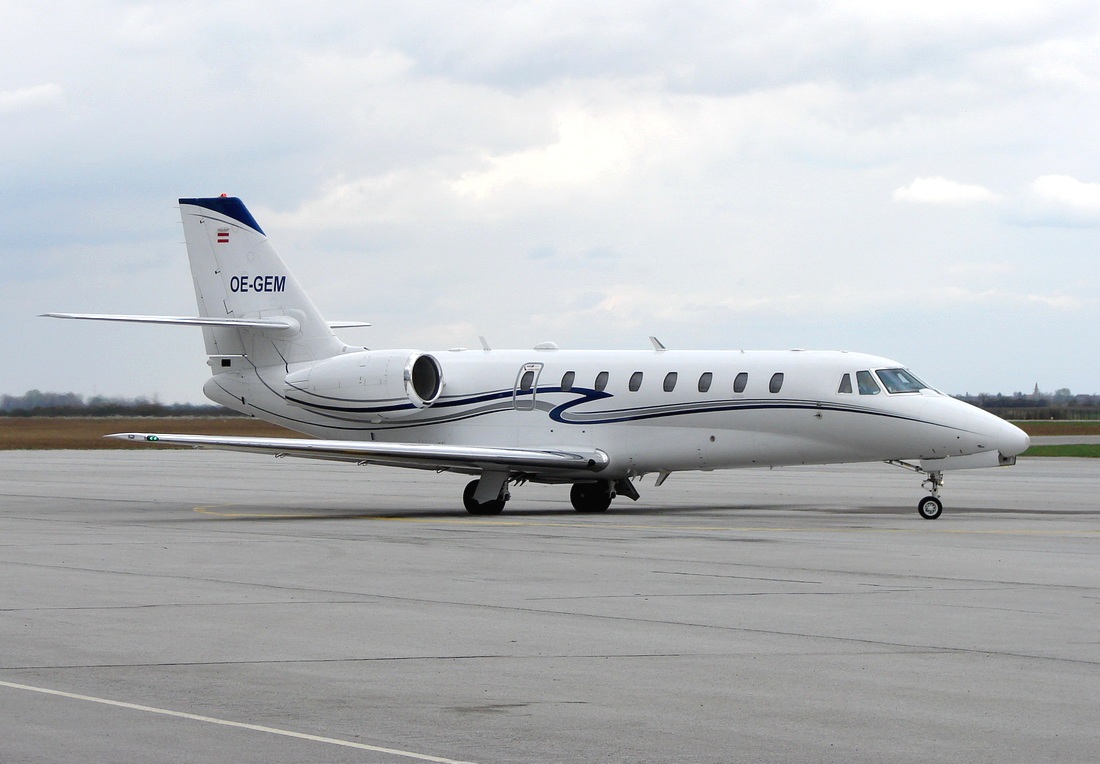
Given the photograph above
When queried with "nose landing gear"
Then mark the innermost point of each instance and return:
(930, 507)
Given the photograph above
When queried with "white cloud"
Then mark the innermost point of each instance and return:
(1066, 191)
(642, 308)
(961, 297)
(31, 98)
(408, 158)
(398, 197)
(1050, 200)
(1073, 65)
(589, 149)
(938, 190)
(1061, 200)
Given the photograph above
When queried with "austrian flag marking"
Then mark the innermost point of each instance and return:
(223, 236)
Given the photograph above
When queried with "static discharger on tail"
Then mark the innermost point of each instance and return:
(596, 420)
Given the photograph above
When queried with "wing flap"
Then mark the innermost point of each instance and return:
(422, 455)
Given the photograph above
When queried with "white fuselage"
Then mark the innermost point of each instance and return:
(724, 408)
(595, 419)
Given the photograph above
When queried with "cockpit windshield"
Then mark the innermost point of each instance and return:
(900, 381)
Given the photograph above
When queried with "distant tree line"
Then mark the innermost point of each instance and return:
(38, 403)
(1061, 404)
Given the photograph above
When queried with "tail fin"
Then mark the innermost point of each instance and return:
(238, 275)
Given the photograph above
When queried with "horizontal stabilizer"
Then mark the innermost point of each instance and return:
(422, 455)
(273, 322)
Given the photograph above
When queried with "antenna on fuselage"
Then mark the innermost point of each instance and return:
(657, 344)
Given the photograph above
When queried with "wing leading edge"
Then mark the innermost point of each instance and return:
(420, 455)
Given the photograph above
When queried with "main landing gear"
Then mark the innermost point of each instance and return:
(488, 494)
(490, 506)
(591, 497)
(596, 496)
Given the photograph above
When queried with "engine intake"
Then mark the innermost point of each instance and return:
(371, 385)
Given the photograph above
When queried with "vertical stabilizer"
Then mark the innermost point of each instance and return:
(239, 275)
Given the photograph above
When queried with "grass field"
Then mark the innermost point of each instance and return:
(1073, 449)
(87, 433)
(1060, 427)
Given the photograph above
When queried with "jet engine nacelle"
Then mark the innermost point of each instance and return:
(372, 385)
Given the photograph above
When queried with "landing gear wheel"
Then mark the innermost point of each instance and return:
(930, 507)
(475, 507)
(591, 497)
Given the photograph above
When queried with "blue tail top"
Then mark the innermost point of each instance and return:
(231, 207)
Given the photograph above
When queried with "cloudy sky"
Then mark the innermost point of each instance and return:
(920, 182)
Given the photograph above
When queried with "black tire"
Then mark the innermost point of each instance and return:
(591, 497)
(930, 507)
(475, 507)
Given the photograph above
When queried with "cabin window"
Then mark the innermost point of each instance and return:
(776, 383)
(867, 384)
(845, 384)
(705, 381)
(670, 381)
(601, 381)
(900, 381)
(567, 381)
(526, 381)
(635, 381)
(740, 382)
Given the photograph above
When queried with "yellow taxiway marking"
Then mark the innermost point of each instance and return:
(483, 522)
(228, 723)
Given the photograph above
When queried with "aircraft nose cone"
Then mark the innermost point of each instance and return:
(1012, 441)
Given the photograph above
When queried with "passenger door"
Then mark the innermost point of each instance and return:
(526, 388)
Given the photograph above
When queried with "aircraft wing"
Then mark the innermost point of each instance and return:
(470, 459)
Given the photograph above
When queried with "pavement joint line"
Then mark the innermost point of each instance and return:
(229, 723)
(379, 659)
(359, 595)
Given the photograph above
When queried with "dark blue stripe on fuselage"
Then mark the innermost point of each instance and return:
(586, 395)
(348, 410)
(484, 398)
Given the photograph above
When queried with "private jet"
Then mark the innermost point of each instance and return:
(597, 421)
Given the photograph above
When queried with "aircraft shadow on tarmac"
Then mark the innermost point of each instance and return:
(284, 513)
(287, 513)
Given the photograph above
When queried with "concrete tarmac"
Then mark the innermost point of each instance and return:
(181, 606)
(1065, 440)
